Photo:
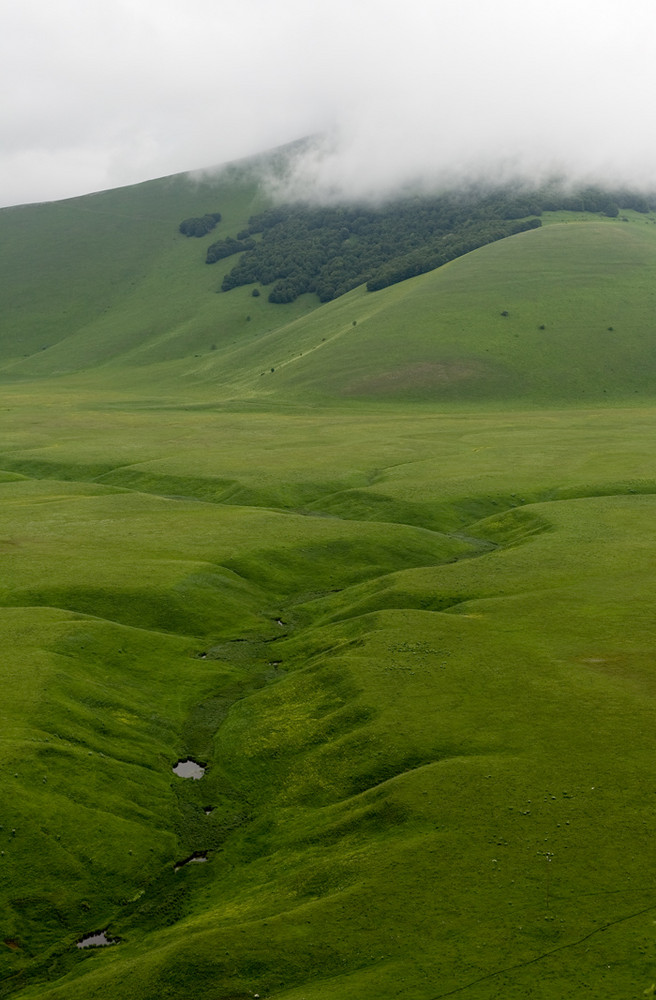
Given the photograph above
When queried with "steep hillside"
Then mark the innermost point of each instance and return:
(109, 276)
(107, 281)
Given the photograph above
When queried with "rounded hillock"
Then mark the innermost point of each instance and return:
(559, 314)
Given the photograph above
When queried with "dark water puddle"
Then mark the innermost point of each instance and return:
(97, 940)
(189, 769)
(195, 858)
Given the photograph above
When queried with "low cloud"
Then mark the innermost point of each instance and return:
(494, 91)
(112, 94)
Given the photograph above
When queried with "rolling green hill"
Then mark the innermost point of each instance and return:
(383, 566)
(562, 313)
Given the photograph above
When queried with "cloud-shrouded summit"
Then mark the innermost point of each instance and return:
(101, 95)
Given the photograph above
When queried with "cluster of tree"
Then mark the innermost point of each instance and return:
(199, 225)
(446, 249)
(328, 250)
(597, 200)
(226, 248)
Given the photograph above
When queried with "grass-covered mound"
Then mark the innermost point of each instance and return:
(563, 313)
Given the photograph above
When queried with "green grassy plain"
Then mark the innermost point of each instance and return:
(397, 595)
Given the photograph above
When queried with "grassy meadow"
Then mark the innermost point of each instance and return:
(395, 595)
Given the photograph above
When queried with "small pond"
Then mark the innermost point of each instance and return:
(195, 858)
(98, 940)
(189, 769)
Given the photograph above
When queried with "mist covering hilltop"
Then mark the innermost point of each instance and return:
(402, 93)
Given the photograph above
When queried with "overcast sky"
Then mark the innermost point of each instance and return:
(103, 93)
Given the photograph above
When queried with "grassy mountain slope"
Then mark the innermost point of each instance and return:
(395, 595)
(109, 276)
(107, 281)
(579, 325)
